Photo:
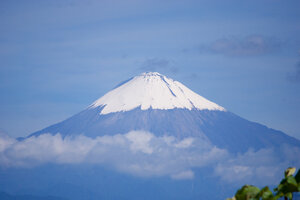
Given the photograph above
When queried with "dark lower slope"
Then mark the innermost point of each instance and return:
(223, 129)
(6, 196)
(86, 182)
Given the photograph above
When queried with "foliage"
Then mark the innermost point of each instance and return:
(286, 188)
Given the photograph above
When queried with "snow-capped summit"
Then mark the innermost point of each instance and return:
(152, 90)
(154, 103)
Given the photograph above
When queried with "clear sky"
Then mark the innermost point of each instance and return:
(57, 57)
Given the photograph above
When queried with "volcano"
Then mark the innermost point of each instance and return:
(149, 138)
(157, 104)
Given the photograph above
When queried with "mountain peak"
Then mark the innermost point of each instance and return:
(152, 90)
(150, 74)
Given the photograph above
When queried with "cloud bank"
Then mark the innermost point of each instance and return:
(143, 154)
(139, 153)
(265, 166)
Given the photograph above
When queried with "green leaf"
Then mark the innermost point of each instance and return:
(248, 192)
(280, 186)
(278, 195)
(287, 185)
(297, 177)
(289, 195)
(266, 194)
(291, 180)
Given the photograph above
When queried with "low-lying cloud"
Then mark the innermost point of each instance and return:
(143, 154)
(265, 166)
(139, 153)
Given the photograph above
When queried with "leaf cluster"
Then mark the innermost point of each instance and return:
(286, 188)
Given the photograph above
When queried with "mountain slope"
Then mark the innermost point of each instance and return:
(152, 90)
(154, 103)
(6, 196)
(211, 151)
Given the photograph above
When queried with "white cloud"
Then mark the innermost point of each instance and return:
(183, 175)
(140, 141)
(5, 141)
(185, 143)
(143, 154)
(137, 152)
(265, 166)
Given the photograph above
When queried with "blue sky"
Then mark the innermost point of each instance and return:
(57, 57)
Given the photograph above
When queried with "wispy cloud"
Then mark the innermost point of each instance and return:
(158, 64)
(143, 154)
(189, 174)
(264, 166)
(251, 166)
(251, 45)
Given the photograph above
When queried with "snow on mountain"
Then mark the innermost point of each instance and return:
(156, 104)
(153, 127)
(152, 90)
